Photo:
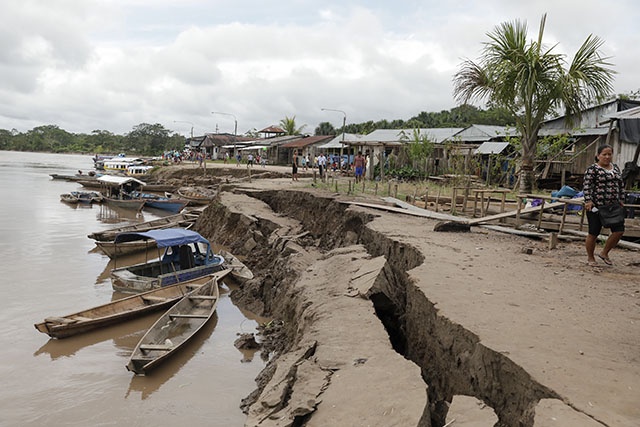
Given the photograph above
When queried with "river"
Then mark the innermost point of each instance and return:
(50, 267)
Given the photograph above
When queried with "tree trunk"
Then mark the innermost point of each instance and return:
(527, 178)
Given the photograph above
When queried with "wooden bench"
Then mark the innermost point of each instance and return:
(188, 316)
(155, 347)
(153, 299)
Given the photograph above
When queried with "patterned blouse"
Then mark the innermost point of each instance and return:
(603, 187)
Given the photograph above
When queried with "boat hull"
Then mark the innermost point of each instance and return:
(175, 328)
(178, 220)
(116, 311)
(113, 250)
(174, 206)
(125, 280)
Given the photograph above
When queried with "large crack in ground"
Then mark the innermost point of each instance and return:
(303, 237)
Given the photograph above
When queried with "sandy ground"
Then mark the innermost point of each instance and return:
(573, 329)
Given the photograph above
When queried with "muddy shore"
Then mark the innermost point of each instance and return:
(382, 321)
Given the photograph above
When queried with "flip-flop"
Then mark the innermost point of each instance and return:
(605, 260)
(592, 264)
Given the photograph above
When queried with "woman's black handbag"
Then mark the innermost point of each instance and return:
(611, 215)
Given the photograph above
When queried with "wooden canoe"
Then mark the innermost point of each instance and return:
(117, 311)
(113, 250)
(195, 197)
(133, 204)
(174, 328)
(179, 220)
(239, 271)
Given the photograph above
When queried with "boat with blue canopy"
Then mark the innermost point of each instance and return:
(181, 255)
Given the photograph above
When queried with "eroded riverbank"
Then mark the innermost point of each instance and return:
(387, 323)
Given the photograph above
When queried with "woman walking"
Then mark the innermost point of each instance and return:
(603, 186)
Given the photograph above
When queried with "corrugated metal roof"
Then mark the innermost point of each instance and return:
(305, 142)
(491, 147)
(631, 113)
(437, 135)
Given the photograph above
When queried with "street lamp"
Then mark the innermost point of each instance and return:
(184, 121)
(344, 124)
(235, 128)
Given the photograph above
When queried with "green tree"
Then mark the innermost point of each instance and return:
(420, 148)
(325, 128)
(531, 82)
(290, 127)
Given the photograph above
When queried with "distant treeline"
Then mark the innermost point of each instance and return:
(154, 139)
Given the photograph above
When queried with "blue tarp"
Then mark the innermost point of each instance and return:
(164, 238)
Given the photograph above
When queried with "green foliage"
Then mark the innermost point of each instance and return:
(325, 128)
(530, 81)
(144, 139)
(290, 127)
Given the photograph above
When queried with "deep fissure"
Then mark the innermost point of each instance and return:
(452, 359)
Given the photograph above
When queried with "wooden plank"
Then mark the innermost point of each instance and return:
(62, 320)
(155, 347)
(188, 316)
(203, 297)
(153, 299)
(477, 221)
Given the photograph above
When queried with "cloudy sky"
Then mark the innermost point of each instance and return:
(85, 65)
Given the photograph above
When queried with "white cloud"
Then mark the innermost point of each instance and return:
(98, 64)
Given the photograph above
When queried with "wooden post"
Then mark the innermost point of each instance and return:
(314, 176)
(504, 200)
(336, 182)
(388, 188)
(349, 191)
(465, 198)
(564, 216)
(454, 198)
(540, 216)
(249, 174)
(395, 191)
(375, 193)
(475, 202)
(553, 240)
(519, 197)
(426, 198)
(482, 211)
(363, 185)
(415, 192)
(438, 199)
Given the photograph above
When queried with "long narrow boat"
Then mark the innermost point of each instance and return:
(174, 328)
(178, 220)
(187, 255)
(113, 250)
(240, 272)
(134, 204)
(119, 310)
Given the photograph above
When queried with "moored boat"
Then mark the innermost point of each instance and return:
(117, 311)
(184, 219)
(113, 250)
(187, 255)
(240, 272)
(174, 328)
(196, 196)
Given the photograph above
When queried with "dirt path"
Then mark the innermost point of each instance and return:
(390, 323)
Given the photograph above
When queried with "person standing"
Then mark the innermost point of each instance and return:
(250, 160)
(358, 163)
(322, 165)
(294, 166)
(603, 186)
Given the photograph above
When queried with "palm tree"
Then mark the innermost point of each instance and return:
(530, 81)
(289, 126)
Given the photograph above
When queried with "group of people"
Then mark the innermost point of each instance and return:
(321, 161)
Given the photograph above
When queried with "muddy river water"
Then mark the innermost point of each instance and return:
(49, 267)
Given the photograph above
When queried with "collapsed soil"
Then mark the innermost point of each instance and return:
(381, 321)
